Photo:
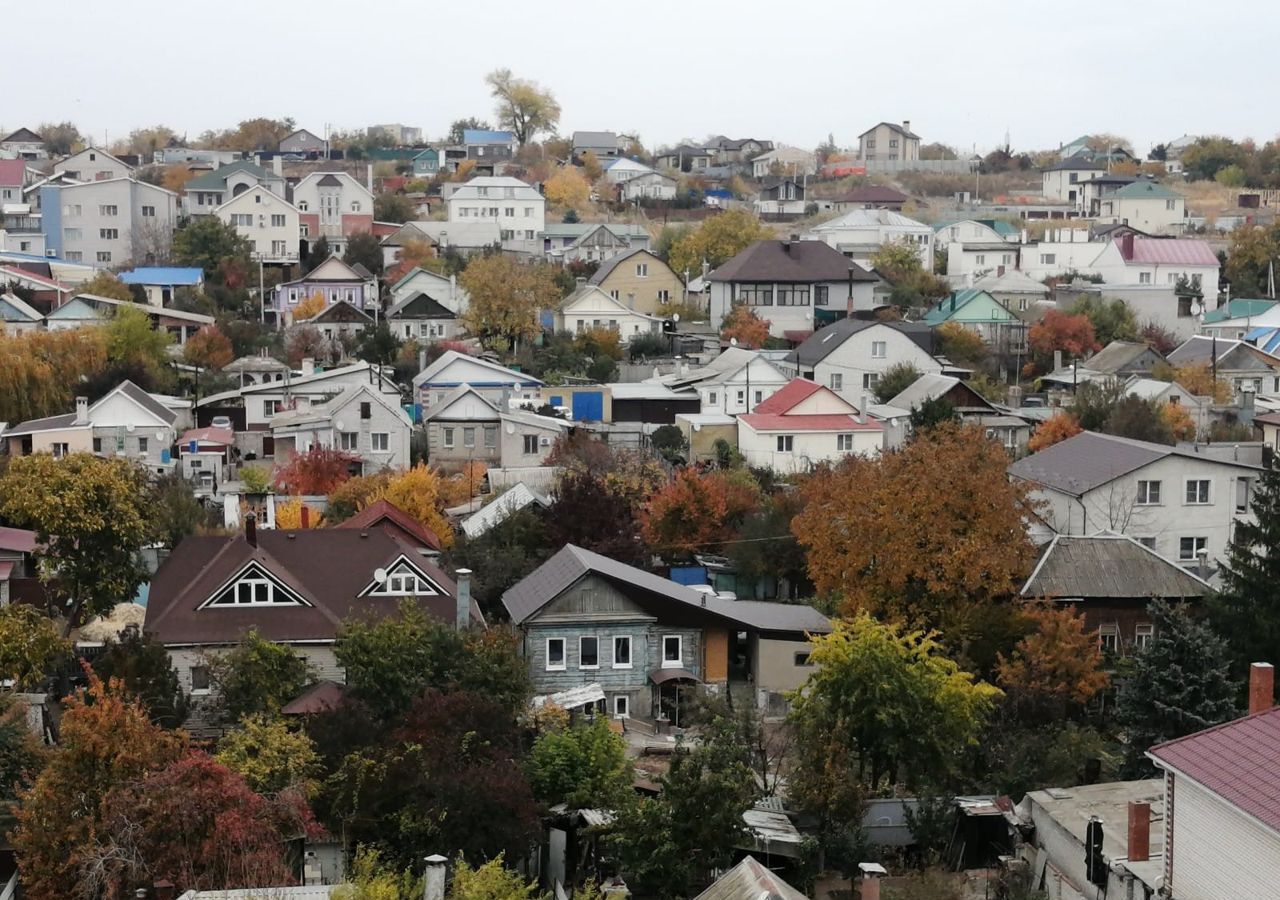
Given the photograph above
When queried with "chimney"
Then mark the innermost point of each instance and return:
(1126, 246)
(1262, 687)
(422, 360)
(453, 287)
(871, 875)
(906, 124)
(434, 889)
(277, 165)
(305, 512)
(251, 529)
(82, 410)
(1057, 360)
(369, 185)
(1139, 831)
(444, 244)
(786, 247)
(862, 410)
(165, 890)
(1014, 398)
(308, 366)
(463, 606)
(580, 280)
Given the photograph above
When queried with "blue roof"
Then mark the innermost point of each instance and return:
(171, 275)
(480, 136)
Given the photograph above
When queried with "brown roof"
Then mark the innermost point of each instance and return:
(327, 569)
(872, 193)
(320, 697)
(1238, 761)
(396, 522)
(791, 261)
(1110, 566)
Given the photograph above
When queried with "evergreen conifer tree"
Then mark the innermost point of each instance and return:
(1247, 612)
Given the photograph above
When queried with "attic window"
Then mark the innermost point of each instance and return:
(254, 587)
(404, 581)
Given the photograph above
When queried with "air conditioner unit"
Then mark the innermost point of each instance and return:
(52, 254)
(544, 441)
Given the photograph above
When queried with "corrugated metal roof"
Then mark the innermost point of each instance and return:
(830, 422)
(791, 394)
(1165, 251)
(750, 880)
(1083, 462)
(1112, 566)
(164, 275)
(1145, 190)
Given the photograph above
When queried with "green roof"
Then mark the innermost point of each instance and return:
(969, 305)
(1241, 308)
(999, 226)
(217, 179)
(1144, 190)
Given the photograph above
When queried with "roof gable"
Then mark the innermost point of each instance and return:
(970, 305)
(463, 403)
(129, 392)
(1108, 566)
(385, 514)
(420, 306)
(253, 586)
(332, 269)
(454, 368)
(791, 261)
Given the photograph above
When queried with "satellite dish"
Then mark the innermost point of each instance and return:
(511, 428)
(160, 435)
(380, 575)
(129, 428)
(338, 424)
(675, 317)
(697, 426)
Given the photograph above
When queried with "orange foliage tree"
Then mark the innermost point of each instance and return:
(745, 326)
(320, 470)
(1058, 427)
(1056, 665)
(413, 253)
(1198, 379)
(698, 511)
(208, 348)
(1073, 335)
(1180, 423)
(929, 535)
(309, 308)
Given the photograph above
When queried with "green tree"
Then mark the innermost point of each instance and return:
(379, 344)
(931, 413)
(30, 645)
(92, 516)
(60, 138)
(717, 240)
(363, 249)
(393, 208)
(257, 676)
(1203, 159)
(960, 344)
(133, 343)
(1112, 320)
(205, 241)
(523, 106)
(1178, 684)
(899, 263)
(175, 511)
(1139, 419)
(105, 284)
(269, 755)
(369, 879)
(142, 666)
(1095, 401)
(471, 123)
(1247, 610)
(894, 700)
(491, 881)
(1251, 249)
(896, 379)
(584, 765)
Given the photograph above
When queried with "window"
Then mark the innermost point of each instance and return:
(755, 294)
(148, 212)
(672, 651)
(355, 206)
(820, 293)
(871, 143)
(509, 212)
(837, 381)
(893, 143)
(277, 220)
(1148, 542)
(980, 259)
(199, 679)
(621, 706)
(348, 440)
(302, 206)
(642, 270)
(555, 654)
(1148, 493)
(664, 296)
(491, 436)
(73, 234)
(1197, 491)
(1144, 278)
(242, 220)
(404, 582)
(1244, 494)
(870, 380)
(1109, 638)
(1168, 204)
(844, 443)
(1048, 259)
(759, 395)
(793, 295)
(279, 248)
(142, 446)
(878, 350)
(588, 653)
(468, 437)
(380, 441)
(742, 397)
(713, 398)
(104, 256)
(74, 209)
(785, 443)
(109, 234)
(1142, 635)
(1190, 548)
(802, 659)
(448, 437)
(108, 209)
(74, 255)
(97, 445)
(60, 450)
(270, 408)
(622, 651)
(530, 444)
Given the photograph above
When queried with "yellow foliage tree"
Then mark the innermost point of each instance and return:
(567, 187)
(104, 284)
(1180, 423)
(309, 308)
(591, 166)
(289, 515)
(417, 491)
(717, 240)
(459, 488)
(1198, 379)
(506, 297)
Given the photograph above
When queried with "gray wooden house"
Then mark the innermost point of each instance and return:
(646, 641)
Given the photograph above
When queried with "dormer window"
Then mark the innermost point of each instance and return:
(254, 586)
(403, 580)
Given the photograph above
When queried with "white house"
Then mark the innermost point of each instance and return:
(788, 282)
(1182, 502)
(205, 193)
(108, 223)
(889, 141)
(591, 307)
(1062, 180)
(360, 420)
(623, 169)
(850, 356)
(493, 382)
(787, 160)
(442, 288)
(1147, 206)
(1158, 261)
(518, 209)
(270, 224)
(93, 164)
(333, 205)
(1059, 252)
(736, 381)
(804, 424)
(648, 185)
(974, 231)
(859, 233)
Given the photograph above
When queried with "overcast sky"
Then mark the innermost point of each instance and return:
(962, 73)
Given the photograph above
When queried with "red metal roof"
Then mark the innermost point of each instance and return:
(17, 540)
(827, 422)
(1239, 761)
(13, 172)
(222, 436)
(1166, 251)
(386, 513)
(791, 394)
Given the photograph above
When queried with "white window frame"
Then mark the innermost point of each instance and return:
(844, 443)
(630, 663)
(837, 381)
(673, 663)
(380, 441)
(208, 681)
(1144, 497)
(588, 637)
(879, 349)
(1198, 482)
(564, 655)
(786, 443)
(1143, 634)
(622, 706)
(1198, 542)
(1109, 638)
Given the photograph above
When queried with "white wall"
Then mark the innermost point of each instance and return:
(1152, 215)
(273, 230)
(795, 318)
(84, 219)
(735, 394)
(1219, 853)
(854, 360)
(807, 448)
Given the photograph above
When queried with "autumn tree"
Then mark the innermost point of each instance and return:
(583, 765)
(1139, 419)
(271, 756)
(413, 253)
(417, 492)
(894, 699)
(257, 676)
(1057, 667)
(208, 348)
(744, 325)
(567, 187)
(106, 740)
(43, 370)
(91, 515)
(937, 567)
(395, 208)
(961, 345)
(306, 342)
(1198, 378)
(1072, 334)
(319, 470)
(717, 240)
(592, 512)
(105, 284)
(1112, 320)
(30, 645)
(1058, 427)
(523, 106)
(310, 307)
(506, 297)
(22, 755)
(1178, 420)
(492, 881)
(698, 511)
